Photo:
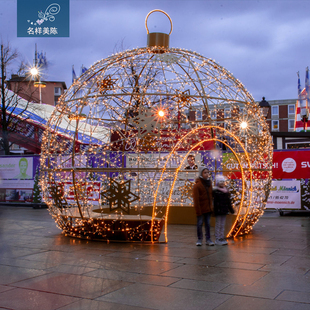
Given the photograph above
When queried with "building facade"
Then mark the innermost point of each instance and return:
(30, 89)
(281, 116)
(280, 119)
(46, 93)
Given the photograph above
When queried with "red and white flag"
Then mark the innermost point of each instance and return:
(302, 106)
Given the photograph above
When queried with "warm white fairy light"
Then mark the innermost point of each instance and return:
(161, 113)
(243, 125)
(121, 121)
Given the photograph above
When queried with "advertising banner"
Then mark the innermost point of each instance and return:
(291, 165)
(233, 171)
(158, 160)
(284, 195)
(17, 172)
(128, 141)
(89, 191)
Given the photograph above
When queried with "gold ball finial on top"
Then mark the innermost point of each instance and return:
(158, 39)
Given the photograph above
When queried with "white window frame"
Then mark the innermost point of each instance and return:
(199, 115)
(227, 113)
(288, 109)
(213, 114)
(275, 114)
(273, 124)
(291, 121)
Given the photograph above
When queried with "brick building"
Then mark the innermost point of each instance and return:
(281, 116)
(280, 119)
(25, 88)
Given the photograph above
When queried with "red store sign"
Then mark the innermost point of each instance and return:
(291, 165)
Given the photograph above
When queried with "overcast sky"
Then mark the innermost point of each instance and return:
(263, 43)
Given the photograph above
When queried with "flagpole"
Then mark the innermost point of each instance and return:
(298, 101)
(35, 56)
(305, 119)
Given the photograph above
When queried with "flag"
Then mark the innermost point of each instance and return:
(307, 93)
(302, 111)
(299, 124)
(83, 69)
(73, 75)
(307, 81)
(299, 87)
(42, 62)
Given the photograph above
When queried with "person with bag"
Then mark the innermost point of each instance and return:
(202, 196)
(222, 205)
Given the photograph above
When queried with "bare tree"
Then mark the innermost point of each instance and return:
(13, 107)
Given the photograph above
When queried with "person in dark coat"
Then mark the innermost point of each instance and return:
(202, 196)
(222, 205)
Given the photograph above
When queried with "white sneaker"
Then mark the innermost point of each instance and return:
(224, 242)
(199, 243)
(209, 242)
(218, 242)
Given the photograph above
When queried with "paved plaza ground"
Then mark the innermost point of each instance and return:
(41, 269)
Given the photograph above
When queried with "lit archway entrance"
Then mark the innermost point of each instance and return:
(243, 220)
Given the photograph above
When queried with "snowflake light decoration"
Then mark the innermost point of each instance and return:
(119, 195)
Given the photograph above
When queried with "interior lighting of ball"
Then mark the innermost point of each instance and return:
(161, 113)
(244, 125)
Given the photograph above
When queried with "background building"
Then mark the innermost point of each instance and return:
(29, 89)
(280, 119)
(26, 138)
(281, 116)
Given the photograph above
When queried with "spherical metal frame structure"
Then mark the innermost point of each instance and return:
(123, 132)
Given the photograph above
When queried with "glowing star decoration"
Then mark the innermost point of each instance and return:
(106, 84)
(187, 190)
(145, 122)
(184, 98)
(119, 195)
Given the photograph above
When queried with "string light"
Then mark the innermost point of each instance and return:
(124, 131)
(244, 125)
(161, 113)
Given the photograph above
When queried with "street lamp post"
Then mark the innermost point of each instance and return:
(36, 74)
(265, 107)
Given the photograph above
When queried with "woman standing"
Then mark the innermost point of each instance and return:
(202, 196)
(222, 205)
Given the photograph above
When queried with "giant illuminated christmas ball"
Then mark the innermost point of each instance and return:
(115, 150)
